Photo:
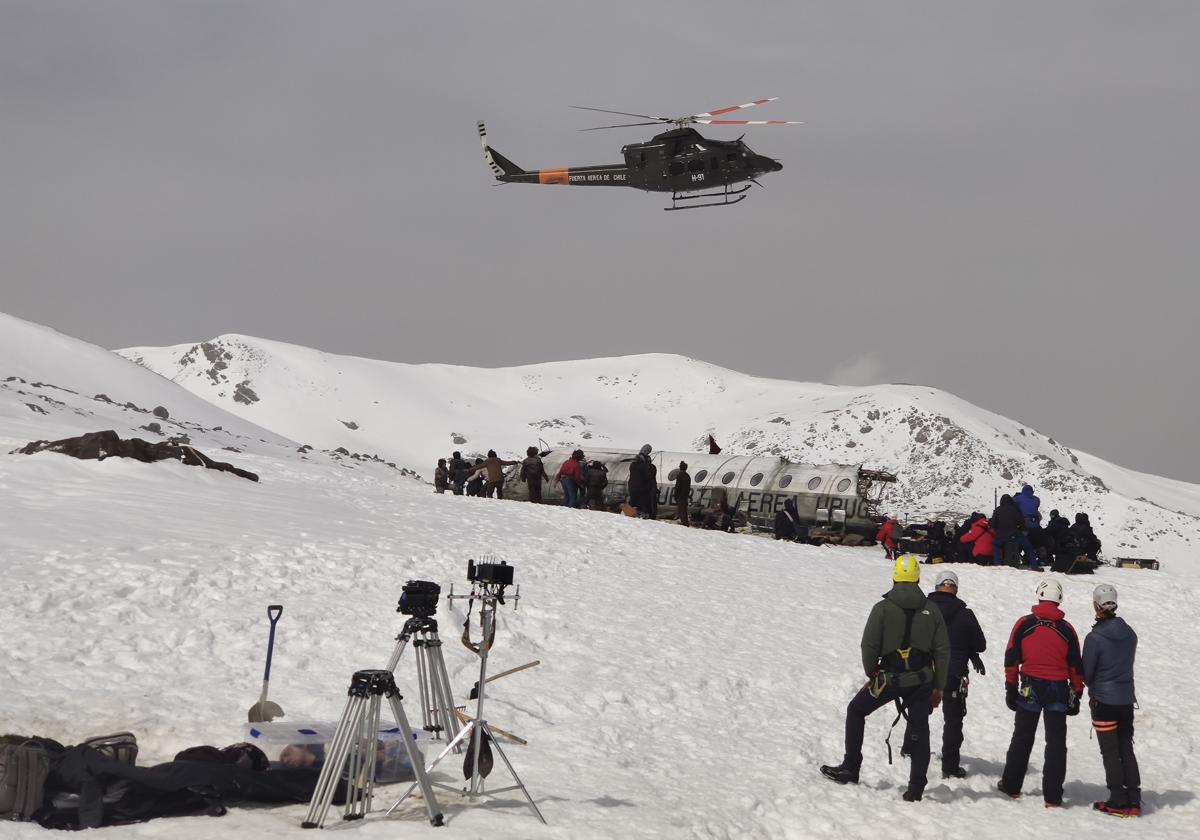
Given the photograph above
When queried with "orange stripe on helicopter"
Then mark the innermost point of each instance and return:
(554, 176)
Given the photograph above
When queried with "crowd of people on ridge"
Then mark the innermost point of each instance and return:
(584, 484)
(1015, 525)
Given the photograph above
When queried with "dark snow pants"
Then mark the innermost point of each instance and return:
(954, 709)
(1114, 733)
(534, 485)
(1054, 769)
(916, 739)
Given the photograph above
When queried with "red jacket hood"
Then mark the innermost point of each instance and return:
(1048, 610)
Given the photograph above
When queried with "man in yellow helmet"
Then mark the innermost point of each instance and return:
(906, 656)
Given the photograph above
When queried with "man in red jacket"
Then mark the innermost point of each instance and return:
(889, 535)
(1042, 678)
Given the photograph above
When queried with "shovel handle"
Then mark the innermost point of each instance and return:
(273, 613)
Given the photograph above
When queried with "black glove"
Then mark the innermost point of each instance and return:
(1073, 706)
(1010, 696)
(977, 664)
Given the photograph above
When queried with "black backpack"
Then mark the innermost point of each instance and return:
(23, 770)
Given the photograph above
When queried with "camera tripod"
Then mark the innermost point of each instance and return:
(353, 752)
(433, 683)
(477, 729)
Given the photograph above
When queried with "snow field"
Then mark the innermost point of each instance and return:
(691, 682)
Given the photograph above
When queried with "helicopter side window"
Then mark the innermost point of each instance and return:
(731, 156)
(675, 167)
(696, 165)
(716, 164)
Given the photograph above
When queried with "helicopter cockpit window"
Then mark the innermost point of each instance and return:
(696, 165)
(675, 167)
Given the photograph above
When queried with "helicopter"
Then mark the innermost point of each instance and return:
(680, 161)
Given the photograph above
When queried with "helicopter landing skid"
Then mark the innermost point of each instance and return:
(727, 197)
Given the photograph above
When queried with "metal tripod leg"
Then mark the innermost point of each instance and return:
(418, 766)
(354, 750)
(512, 772)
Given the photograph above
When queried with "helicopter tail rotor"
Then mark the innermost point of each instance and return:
(501, 166)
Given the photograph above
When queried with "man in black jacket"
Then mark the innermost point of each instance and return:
(1009, 523)
(966, 643)
(459, 469)
(683, 494)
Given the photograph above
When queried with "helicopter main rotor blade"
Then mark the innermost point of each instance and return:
(750, 122)
(623, 125)
(718, 111)
(622, 113)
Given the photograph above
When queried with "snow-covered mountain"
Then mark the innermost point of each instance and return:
(951, 456)
(54, 386)
(691, 682)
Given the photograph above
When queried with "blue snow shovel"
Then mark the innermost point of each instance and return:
(264, 709)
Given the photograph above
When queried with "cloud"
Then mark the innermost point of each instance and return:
(864, 370)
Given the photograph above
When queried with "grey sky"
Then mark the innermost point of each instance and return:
(999, 199)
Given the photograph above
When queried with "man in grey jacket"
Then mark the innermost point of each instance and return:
(1108, 654)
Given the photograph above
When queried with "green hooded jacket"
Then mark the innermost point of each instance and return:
(885, 630)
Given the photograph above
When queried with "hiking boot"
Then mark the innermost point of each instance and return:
(1053, 805)
(1117, 810)
(840, 774)
(953, 773)
(911, 795)
(1009, 794)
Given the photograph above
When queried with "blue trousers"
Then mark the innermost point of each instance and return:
(570, 492)
(1021, 540)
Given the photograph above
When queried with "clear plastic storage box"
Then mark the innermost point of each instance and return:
(303, 744)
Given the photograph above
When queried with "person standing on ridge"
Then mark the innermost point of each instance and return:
(570, 476)
(1108, 654)
(906, 657)
(475, 485)
(966, 643)
(441, 477)
(597, 480)
(641, 487)
(533, 472)
(1030, 507)
(1009, 523)
(1042, 679)
(683, 494)
(493, 467)
(459, 469)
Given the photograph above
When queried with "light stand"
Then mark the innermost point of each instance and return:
(488, 581)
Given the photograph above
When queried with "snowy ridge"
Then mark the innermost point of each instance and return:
(951, 456)
(691, 682)
(53, 386)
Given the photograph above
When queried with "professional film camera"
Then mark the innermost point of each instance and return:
(419, 598)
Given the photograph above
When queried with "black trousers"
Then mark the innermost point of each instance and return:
(954, 709)
(1114, 733)
(916, 738)
(1054, 768)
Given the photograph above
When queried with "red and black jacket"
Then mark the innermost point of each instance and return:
(1044, 646)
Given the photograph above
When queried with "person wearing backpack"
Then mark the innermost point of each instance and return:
(966, 643)
(906, 657)
(533, 473)
(1108, 654)
(1042, 680)
(596, 480)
